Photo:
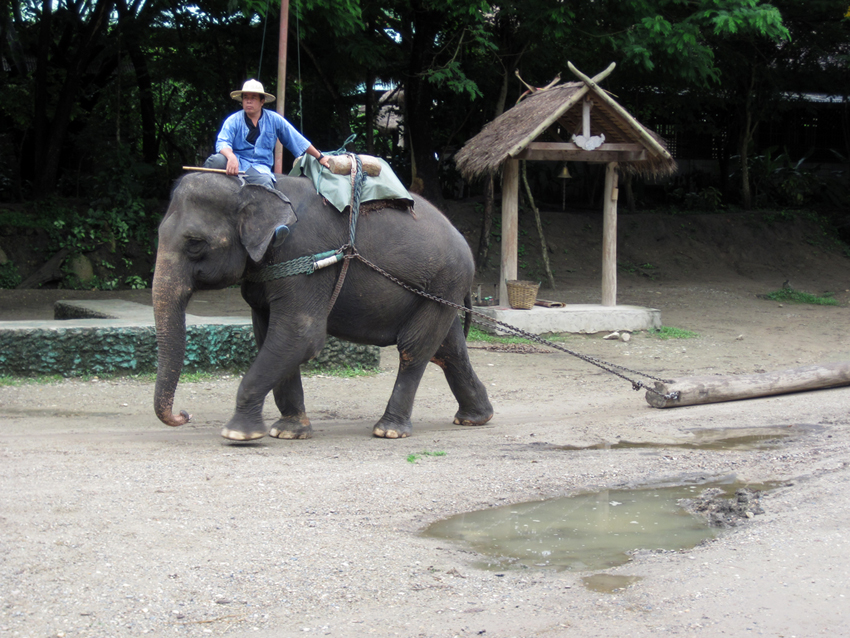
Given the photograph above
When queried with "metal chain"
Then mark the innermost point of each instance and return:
(481, 318)
(306, 265)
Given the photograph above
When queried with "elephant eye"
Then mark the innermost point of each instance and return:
(195, 247)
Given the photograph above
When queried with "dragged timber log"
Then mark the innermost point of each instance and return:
(716, 389)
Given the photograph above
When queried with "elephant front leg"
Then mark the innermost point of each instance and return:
(247, 423)
(293, 422)
(395, 424)
(266, 373)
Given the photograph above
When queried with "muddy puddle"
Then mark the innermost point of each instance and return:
(718, 439)
(590, 531)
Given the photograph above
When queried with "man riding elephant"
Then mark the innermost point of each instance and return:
(247, 138)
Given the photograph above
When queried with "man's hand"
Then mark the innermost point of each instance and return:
(232, 165)
(232, 161)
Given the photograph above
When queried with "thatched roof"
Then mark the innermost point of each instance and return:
(554, 115)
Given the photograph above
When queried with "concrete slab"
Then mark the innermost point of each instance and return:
(578, 318)
(96, 337)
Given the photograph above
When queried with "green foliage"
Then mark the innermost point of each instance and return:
(453, 77)
(20, 219)
(778, 180)
(9, 275)
(134, 282)
(681, 37)
(789, 295)
(412, 458)
(668, 332)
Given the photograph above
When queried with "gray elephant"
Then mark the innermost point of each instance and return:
(218, 232)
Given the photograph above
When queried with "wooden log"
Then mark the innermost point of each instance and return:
(716, 389)
(341, 165)
(50, 271)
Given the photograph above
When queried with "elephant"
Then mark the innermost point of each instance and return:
(219, 231)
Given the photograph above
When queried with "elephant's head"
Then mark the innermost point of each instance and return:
(212, 228)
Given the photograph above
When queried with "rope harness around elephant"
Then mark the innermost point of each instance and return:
(311, 263)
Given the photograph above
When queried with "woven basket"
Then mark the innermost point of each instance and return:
(522, 294)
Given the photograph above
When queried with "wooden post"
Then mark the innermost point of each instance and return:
(510, 227)
(609, 237)
(281, 77)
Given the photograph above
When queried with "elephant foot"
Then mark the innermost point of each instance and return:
(294, 427)
(470, 418)
(386, 430)
(240, 429)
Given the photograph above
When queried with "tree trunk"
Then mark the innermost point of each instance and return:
(50, 150)
(369, 112)
(417, 102)
(747, 133)
(147, 112)
(41, 122)
(486, 225)
(490, 189)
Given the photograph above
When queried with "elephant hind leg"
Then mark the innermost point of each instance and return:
(293, 422)
(474, 407)
(395, 423)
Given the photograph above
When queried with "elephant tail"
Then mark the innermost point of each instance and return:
(467, 321)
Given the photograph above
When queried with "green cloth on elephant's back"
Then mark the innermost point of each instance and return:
(337, 188)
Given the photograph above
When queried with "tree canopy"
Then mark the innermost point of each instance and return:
(142, 85)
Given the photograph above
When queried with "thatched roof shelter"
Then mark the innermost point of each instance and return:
(578, 122)
(553, 115)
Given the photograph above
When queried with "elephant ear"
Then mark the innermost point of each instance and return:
(262, 210)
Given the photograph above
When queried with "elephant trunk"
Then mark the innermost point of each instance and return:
(171, 294)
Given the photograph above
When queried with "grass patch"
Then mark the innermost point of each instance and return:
(789, 295)
(479, 335)
(668, 332)
(13, 382)
(412, 458)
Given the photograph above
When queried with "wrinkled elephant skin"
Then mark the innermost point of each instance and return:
(216, 230)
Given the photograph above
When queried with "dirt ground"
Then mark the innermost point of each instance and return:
(115, 525)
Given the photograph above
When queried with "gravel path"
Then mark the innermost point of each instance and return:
(114, 525)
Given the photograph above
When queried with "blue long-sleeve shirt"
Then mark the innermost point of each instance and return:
(259, 155)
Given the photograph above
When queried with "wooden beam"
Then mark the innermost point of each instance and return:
(632, 147)
(510, 227)
(574, 99)
(609, 237)
(579, 155)
(636, 126)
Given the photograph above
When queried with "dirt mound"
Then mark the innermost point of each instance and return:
(720, 511)
(796, 246)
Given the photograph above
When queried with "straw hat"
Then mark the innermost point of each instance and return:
(252, 86)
